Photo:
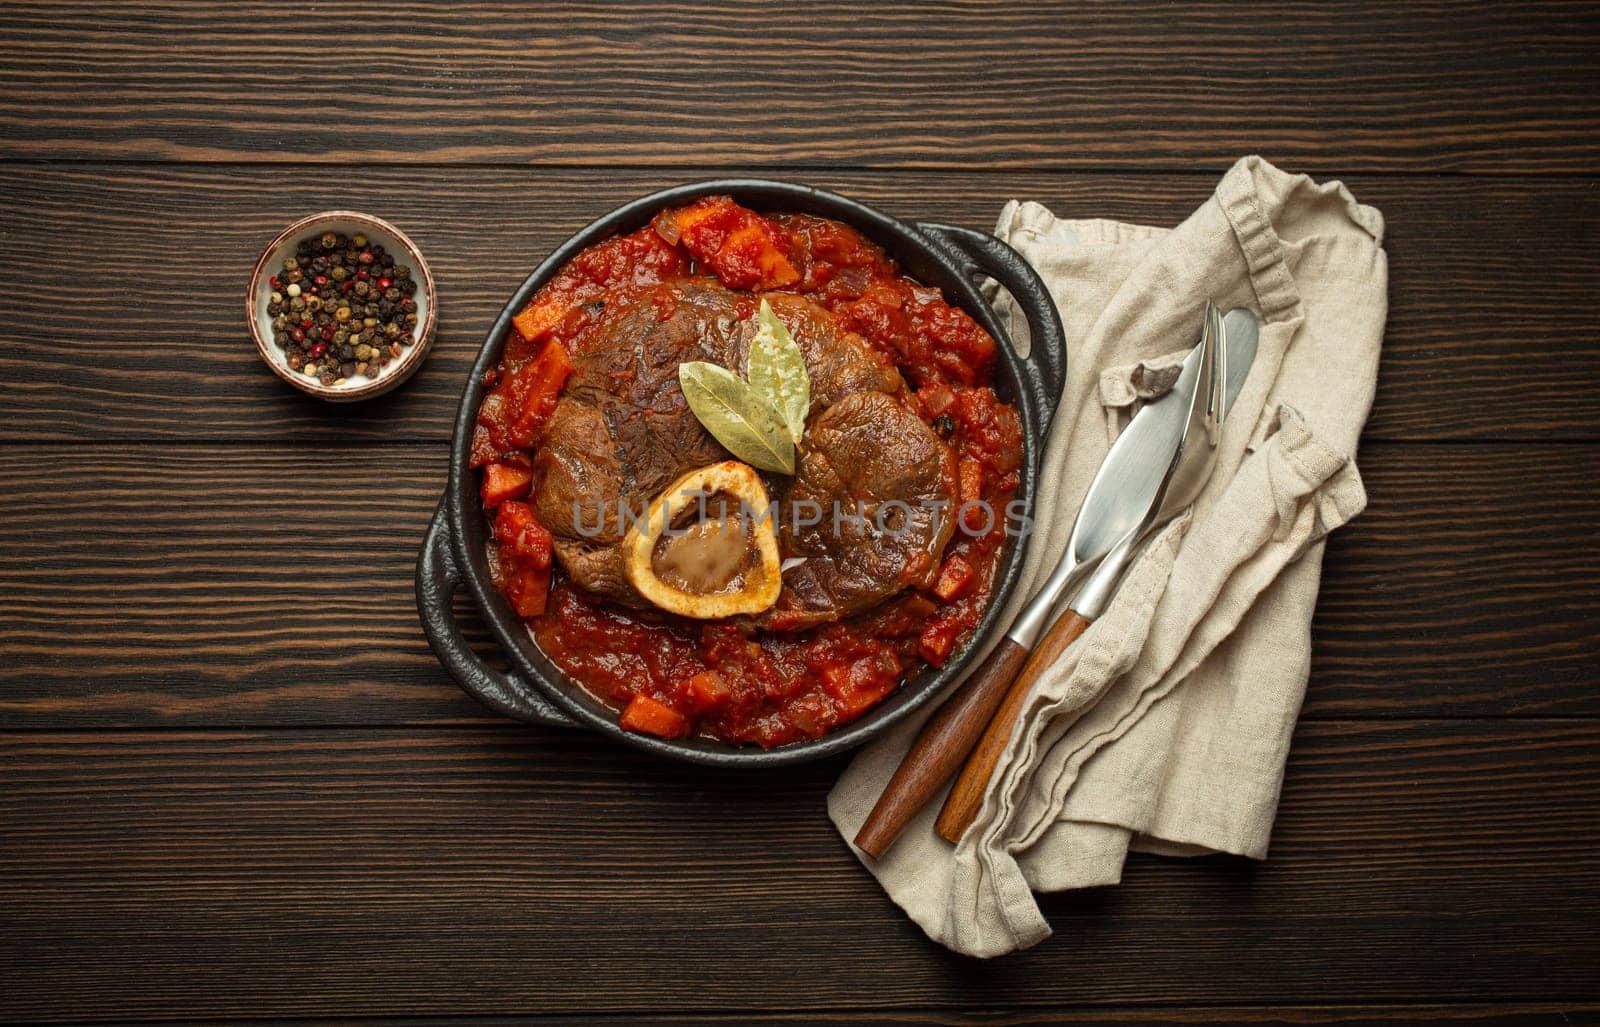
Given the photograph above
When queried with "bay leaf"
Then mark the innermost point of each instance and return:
(746, 424)
(777, 371)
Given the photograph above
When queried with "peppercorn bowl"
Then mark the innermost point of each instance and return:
(341, 305)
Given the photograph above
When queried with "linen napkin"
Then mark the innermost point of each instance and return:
(1166, 727)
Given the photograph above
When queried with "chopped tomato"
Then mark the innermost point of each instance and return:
(936, 399)
(744, 249)
(936, 641)
(503, 481)
(528, 590)
(642, 257)
(752, 259)
(956, 578)
(649, 717)
(483, 449)
(960, 349)
(516, 528)
(859, 685)
(809, 715)
(516, 411)
(991, 434)
(526, 544)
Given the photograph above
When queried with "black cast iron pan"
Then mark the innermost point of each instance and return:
(955, 260)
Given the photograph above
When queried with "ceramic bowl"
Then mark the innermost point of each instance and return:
(399, 246)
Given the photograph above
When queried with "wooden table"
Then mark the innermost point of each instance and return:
(235, 783)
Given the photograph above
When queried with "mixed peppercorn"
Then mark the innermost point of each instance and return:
(341, 307)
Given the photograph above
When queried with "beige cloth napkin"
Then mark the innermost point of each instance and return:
(1166, 727)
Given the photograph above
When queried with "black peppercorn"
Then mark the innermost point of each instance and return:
(340, 296)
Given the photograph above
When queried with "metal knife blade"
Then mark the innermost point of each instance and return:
(1130, 477)
(1240, 340)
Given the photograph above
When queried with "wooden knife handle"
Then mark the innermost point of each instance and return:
(937, 753)
(961, 807)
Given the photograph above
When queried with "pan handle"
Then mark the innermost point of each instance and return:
(980, 255)
(438, 579)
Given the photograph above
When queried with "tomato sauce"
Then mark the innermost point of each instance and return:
(673, 676)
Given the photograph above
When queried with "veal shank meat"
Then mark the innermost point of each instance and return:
(623, 431)
(882, 488)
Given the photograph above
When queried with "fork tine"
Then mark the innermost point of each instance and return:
(1214, 366)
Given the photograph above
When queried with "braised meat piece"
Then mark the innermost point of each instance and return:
(879, 488)
(622, 430)
(838, 361)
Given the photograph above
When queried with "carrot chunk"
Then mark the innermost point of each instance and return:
(751, 259)
(649, 717)
(539, 317)
(975, 520)
(502, 481)
(744, 249)
(956, 578)
(707, 691)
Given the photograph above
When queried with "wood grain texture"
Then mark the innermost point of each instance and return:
(500, 870)
(278, 805)
(196, 585)
(1502, 1014)
(125, 284)
(1435, 86)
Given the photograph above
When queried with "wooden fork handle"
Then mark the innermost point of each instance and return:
(966, 796)
(937, 753)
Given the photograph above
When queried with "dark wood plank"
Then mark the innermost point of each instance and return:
(125, 286)
(197, 585)
(1363, 86)
(1500, 1014)
(496, 870)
